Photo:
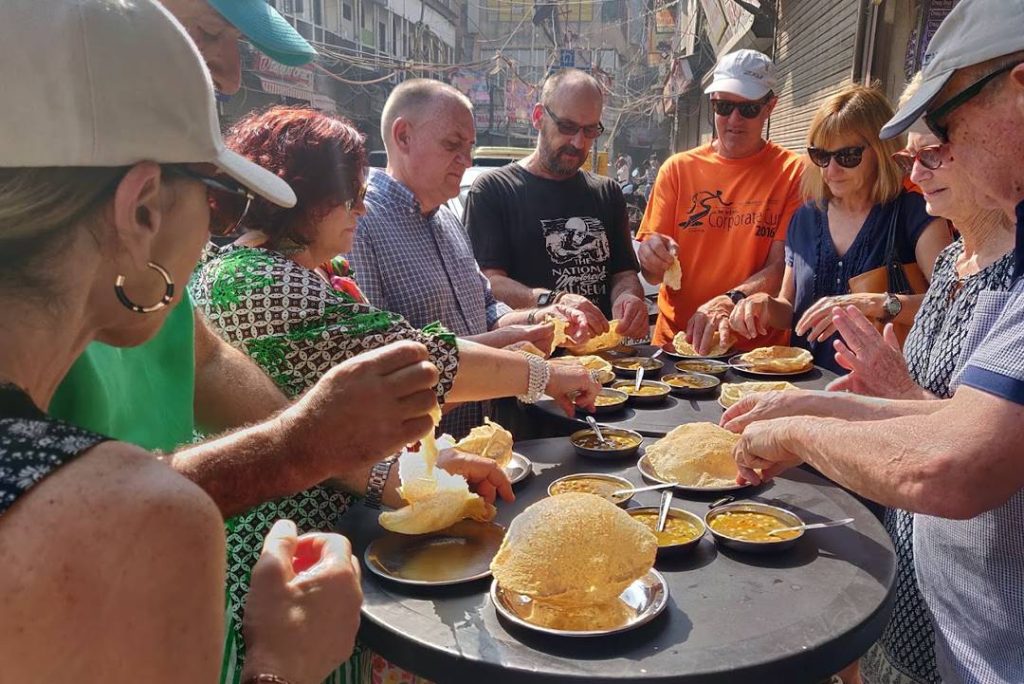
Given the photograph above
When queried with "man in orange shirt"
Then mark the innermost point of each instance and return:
(723, 209)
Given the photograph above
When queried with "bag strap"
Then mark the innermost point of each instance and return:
(898, 283)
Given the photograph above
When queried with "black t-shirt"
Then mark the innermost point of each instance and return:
(570, 235)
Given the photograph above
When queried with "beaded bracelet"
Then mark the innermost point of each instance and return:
(540, 374)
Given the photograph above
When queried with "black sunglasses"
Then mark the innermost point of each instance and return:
(748, 110)
(357, 200)
(223, 184)
(569, 128)
(848, 157)
(934, 120)
(930, 157)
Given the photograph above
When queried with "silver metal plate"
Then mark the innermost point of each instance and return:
(764, 374)
(644, 600)
(461, 553)
(645, 468)
(669, 350)
(519, 468)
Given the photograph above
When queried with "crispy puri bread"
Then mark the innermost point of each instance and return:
(673, 277)
(734, 391)
(718, 347)
(560, 338)
(595, 344)
(608, 615)
(778, 359)
(489, 440)
(695, 455)
(436, 499)
(590, 362)
(526, 346)
(573, 550)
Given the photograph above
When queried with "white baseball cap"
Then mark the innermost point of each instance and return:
(747, 73)
(975, 31)
(110, 83)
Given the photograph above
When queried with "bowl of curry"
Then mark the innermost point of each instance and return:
(749, 526)
(650, 393)
(600, 484)
(691, 384)
(627, 367)
(609, 400)
(683, 529)
(705, 366)
(619, 443)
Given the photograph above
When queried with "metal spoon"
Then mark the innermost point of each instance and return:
(639, 377)
(634, 490)
(657, 353)
(815, 526)
(666, 503)
(597, 431)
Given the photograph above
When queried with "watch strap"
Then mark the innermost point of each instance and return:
(736, 296)
(378, 478)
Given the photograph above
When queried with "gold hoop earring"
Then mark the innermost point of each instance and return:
(164, 301)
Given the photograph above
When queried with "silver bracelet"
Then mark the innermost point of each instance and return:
(540, 373)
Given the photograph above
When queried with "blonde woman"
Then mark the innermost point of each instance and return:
(853, 190)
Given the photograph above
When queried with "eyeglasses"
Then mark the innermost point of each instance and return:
(934, 120)
(748, 110)
(848, 157)
(930, 157)
(569, 128)
(349, 204)
(224, 184)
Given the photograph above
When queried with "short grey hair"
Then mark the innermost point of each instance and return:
(418, 95)
(568, 77)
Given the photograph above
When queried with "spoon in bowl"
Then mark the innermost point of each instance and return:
(666, 503)
(814, 526)
(597, 431)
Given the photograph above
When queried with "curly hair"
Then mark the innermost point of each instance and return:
(322, 156)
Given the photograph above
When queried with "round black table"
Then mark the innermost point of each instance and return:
(657, 421)
(789, 618)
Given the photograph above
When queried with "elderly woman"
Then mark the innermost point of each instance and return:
(113, 563)
(855, 198)
(980, 259)
(279, 294)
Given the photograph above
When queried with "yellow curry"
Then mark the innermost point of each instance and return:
(605, 400)
(644, 391)
(646, 364)
(617, 441)
(587, 485)
(687, 382)
(755, 527)
(677, 530)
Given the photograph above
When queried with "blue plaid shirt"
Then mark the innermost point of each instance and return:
(422, 267)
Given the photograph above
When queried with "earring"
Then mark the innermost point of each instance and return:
(164, 301)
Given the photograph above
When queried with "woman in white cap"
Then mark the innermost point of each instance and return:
(113, 565)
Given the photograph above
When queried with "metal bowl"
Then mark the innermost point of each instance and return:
(651, 400)
(596, 452)
(650, 365)
(605, 376)
(620, 401)
(613, 482)
(711, 384)
(613, 353)
(705, 366)
(788, 517)
(671, 550)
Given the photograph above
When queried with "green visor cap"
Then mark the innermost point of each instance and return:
(267, 30)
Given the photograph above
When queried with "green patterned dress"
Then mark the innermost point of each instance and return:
(296, 326)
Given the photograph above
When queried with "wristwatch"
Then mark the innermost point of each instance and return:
(548, 298)
(736, 295)
(892, 306)
(378, 478)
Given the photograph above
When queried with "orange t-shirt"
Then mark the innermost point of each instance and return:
(724, 214)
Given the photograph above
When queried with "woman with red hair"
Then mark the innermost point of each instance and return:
(280, 294)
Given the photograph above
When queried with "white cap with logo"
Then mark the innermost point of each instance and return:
(747, 73)
(110, 83)
(975, 31)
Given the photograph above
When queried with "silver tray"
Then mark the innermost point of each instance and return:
(645, 598)
(670, 350)
(460, 553)
(519, 468)
(764, 374)
(648, 472)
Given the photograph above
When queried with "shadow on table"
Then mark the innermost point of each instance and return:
(636, 644)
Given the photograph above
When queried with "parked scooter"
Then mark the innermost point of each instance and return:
(635, 194)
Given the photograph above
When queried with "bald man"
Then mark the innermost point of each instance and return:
(544, 231)
(411, 255)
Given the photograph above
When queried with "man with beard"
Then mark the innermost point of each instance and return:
(722, 209)
(546, 232)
